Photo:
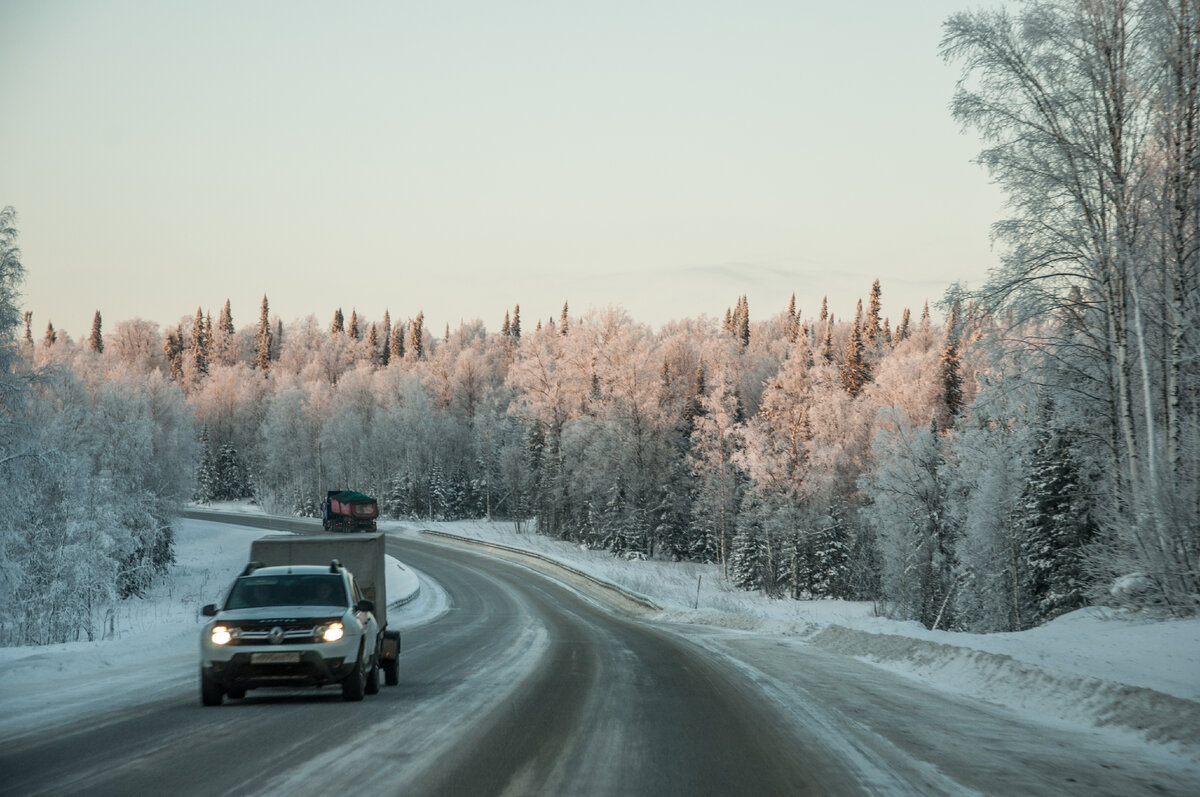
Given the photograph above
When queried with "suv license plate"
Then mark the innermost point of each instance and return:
(282, 657)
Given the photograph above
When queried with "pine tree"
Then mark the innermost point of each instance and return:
(262, 348)
(96, 341)
(338, 326)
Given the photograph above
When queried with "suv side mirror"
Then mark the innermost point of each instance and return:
(364, 605)
(210, 610)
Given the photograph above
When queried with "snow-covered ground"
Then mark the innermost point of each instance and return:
(154, 644)
(1095, 668)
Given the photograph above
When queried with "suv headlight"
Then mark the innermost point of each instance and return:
(222, 635)
(331, 632)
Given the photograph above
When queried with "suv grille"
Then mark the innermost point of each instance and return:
(258, 632)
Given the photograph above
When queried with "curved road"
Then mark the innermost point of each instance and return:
(520, 687)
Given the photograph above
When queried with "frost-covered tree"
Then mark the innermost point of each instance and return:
(907, 513)
(1088, 109)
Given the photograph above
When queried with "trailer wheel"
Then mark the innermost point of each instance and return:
(391, 672)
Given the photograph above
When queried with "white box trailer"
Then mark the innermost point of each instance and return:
(361, 554)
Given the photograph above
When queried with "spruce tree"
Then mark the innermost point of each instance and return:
(416, 336)
(871, 332)
(506, 327)
(173, 350)
(741, 321)
(951, 376)
(338, 326)
(222, 345)
(793, 320)
(206, 470)
(385, 336)
(96, 341)
(225, 320)
(902, 330)
(824, 314)
(563, 321)
(855, 370)
(28, 326)
(51, 336)
(354, 332)
(827, 344)
(373, 345)
(1057, 524)
(199, 346)
(262, 347)
(396, 344)
(516, 322)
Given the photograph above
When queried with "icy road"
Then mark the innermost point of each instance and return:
(513, 683)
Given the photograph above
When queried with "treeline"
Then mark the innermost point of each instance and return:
(94, 463)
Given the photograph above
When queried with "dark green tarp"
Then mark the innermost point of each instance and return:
(349, 496)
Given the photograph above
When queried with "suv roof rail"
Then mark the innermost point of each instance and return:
(251, 567)
(334, 566)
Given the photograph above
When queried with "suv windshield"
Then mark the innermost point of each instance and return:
(289, 590)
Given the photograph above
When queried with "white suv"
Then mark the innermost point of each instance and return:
(302, 625)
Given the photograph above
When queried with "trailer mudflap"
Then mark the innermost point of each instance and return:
(390, 649)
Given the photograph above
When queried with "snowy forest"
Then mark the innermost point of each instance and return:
(1029, 447)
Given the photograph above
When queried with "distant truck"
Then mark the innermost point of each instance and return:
(306, 611)
(346, 510)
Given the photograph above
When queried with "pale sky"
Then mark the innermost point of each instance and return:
(459, 158)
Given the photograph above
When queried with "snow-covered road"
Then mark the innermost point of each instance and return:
(512, 683)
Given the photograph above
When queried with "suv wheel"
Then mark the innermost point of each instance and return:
(372, 685)
(210, 691)
(354, 683)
